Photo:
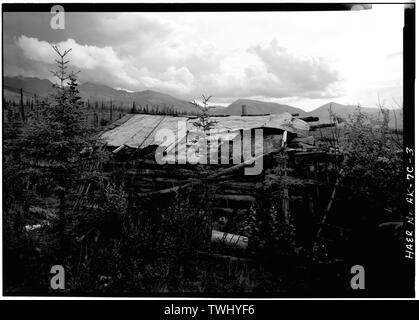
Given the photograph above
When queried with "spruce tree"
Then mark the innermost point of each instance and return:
(52, 145)
(204, 121)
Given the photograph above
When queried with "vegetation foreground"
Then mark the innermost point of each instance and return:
(109, 249)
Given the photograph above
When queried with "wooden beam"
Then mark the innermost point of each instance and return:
(233, 197)
(222, 256)
(290, 180)
(229, 239)
(119, 148)
(309, 119)
(322, 125)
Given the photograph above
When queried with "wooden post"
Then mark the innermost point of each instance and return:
(285, 199)
(284, 139)
(110, 112)
(329, 207)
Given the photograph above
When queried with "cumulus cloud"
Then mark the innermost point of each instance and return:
(102, 65)
(270, 71)
(226, 55)
(145, 51)
(95, 62)
(185, 70)
(303, 76)
(172, 80)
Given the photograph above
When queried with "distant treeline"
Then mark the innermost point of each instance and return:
(98, 113)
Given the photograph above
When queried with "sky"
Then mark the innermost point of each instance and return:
(304, 59)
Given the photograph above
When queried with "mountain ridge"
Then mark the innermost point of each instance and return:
(93, 92)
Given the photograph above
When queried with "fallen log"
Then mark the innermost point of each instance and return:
(300, 181)
(229, 239)
(322, 125)
(222, 256)
(159, 179)
(233, 197)
(237, 185)
(309, 119)
(237, 191)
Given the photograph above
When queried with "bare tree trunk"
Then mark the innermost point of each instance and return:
(22, 107)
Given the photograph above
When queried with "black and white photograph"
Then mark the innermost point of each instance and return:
(208, 150)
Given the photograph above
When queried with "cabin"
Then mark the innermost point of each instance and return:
(225, 169)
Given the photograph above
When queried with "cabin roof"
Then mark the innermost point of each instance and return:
(139, 130)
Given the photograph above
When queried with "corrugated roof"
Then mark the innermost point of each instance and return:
(139, 131)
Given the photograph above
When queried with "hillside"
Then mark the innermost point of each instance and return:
(30, 86)
(322, 112)
(257, 107)
(344, 111)
(95, 92)
(101, 93)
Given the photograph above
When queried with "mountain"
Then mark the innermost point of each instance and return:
(153, 97)
(96, 92)
(30, 86)
(101, 93)
(257, 107)
(323, 112)
(344, 111)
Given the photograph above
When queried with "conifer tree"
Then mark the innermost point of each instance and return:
(204, 121)
(52, 146)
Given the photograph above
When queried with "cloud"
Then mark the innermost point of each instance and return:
(227, 55)
(294, 74)
(271, 72)
(95, 62)
(99, 65)
(173, 80)
(186, 70)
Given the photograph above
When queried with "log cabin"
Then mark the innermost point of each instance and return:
(159, 156)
